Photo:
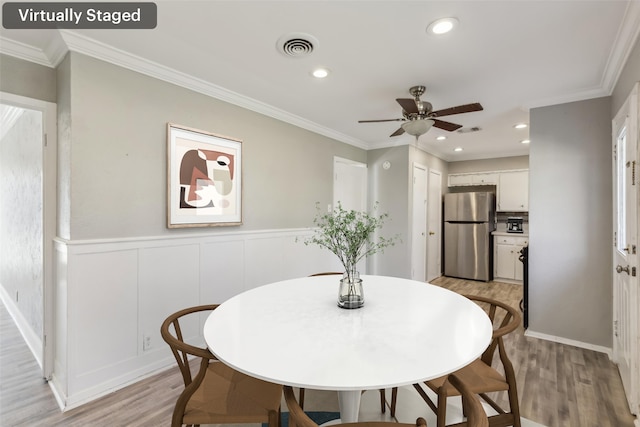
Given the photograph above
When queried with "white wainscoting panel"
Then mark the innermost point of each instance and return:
(102, 310)
(265, 255)
(222, 269)
(113, 295)
(169, 280)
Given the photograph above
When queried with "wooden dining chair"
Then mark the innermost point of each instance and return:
(383, 403)
(471, 405)
(298, 418)
(216, 394)
(479, 375)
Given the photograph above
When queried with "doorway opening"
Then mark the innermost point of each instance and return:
(28, 219)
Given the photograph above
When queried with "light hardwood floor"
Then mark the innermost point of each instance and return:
(558, 385)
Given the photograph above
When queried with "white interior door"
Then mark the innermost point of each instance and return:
(434, 225)
(625, 258)
(350, 184)
(350, 189)
(419, 223)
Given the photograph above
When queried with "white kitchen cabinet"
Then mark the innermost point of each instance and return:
(458, 179)
(513, 191)
(480, 178)
(489, 178)
(506, 263)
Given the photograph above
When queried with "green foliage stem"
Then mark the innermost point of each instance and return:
(349, 235)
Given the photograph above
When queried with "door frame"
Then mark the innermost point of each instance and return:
(434, 205)
(629, 113)
(44, 350)
(419, 237)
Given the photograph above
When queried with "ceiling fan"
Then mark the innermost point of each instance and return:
(418, 116)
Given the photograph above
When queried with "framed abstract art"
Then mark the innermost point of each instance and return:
(204, 178)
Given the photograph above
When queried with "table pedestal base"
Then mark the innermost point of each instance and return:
(349, 401)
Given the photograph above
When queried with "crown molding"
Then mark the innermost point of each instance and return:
(86, 46)
(24, 51)
(622, 46)
(393, 142)
(56, 50)
(565, 99)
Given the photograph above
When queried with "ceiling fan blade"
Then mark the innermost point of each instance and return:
(441, 124)
(408, 105)
(377, 121)
(400, 131)
(467, 108)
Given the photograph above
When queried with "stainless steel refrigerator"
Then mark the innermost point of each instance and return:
(469, 219)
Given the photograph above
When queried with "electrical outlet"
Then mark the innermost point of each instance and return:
(146, 342)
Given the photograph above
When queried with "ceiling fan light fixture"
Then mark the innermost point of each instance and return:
(417, 127)
(442, 26)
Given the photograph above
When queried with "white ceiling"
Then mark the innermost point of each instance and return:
(509, 55)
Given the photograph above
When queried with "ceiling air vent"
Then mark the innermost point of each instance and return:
(469, 130)
(296, 45)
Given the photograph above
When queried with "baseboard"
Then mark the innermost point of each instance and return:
(56, 389)
(34, 342)
(600, 349)
(103, 389)
(66, 402)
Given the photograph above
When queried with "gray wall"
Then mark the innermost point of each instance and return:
(392, 188)
(117, 146)
(570, 196)
(486, 165)
(63, 84)
(27, 79)
(571, 177)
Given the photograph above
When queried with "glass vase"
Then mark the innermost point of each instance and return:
(351, 294)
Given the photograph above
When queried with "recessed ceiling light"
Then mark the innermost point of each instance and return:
(442, 26)
(320, 73)
(520, 126)
(441, 138)
(457, 149)
(525, 141)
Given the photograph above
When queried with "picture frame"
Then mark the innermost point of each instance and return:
(204, 178)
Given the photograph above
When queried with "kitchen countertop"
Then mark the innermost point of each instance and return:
(501, 230)
(504, 232)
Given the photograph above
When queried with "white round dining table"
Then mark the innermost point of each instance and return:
(293, 333)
